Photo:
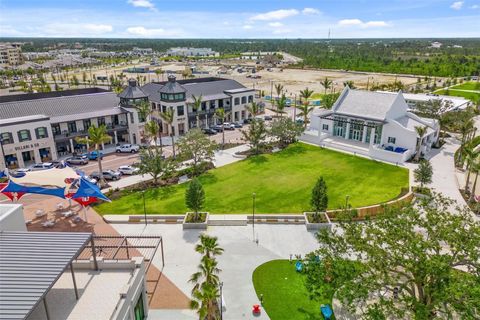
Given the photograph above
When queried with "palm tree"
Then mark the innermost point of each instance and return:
(208, 246)
(204, 301)
(253, 109)
(475, 168)
(220, 114)
(152, 131)
(305, 110)
(168, 116)
(305, 94)
(281, 105)
(421, 130)
(470, 156)
(159, 72)
(349, 83)
(326, 83)
(97, 136)
(279, 89)
(197, 105)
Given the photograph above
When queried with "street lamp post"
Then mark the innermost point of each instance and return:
(346, 202)
(144, 207)
(253, 211)
(221, 300)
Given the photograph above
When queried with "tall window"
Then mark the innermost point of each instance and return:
(237, 101)
(212, 104)
(87, 123)
(24, 135)
(180, 111)
(250, 98)
(244, 100)
(41, 133)
(101, 121)
(72, 127)
(56, 129)
(6, 137)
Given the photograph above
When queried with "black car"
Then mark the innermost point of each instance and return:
(268, 118)
(247, 121)
(209, 131)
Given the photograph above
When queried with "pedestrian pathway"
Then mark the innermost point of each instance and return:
(221, 158)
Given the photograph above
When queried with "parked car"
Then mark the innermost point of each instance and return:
(107, 175)
(209, 131)
(247, 121)
(127, 148)
(217, 128)
(94, 155)
(76, 160)
(238, 124)
(128, 170)
(41, 166)
(268, 118)
(229, 126)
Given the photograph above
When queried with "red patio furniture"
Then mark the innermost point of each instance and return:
(256, 309)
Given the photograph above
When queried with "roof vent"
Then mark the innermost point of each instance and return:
(132, 82)
(172, 78)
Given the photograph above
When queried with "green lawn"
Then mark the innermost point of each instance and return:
(473, 85)
(317, 96)
(467, 95)
(282, 182)
(284, 292)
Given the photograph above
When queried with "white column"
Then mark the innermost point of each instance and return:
(115, 137)
(347, 129)
(364, 138)
(88, 144)
(71, 146)
(372, 136)
(20, 162)
(36, 155)
(103, 146)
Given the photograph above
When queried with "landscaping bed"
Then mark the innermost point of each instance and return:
(282, 182)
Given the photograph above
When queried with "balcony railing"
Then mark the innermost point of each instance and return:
(68, 135)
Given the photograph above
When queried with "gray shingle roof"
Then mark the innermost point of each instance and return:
(208, 89)
(30, 264)
(132, 91)
(77, 106)
(365, 104)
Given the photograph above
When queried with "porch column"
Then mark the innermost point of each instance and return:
(347, 130)
(37, 156)
(20, 162)
(88, 144)
(103, 146)
(372, 136)
(115, 136)
(72, 150)
(364, 138)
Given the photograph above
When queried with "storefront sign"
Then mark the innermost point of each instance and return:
(27, 146)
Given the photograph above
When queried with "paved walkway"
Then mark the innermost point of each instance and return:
(238, 262)
(222, 158)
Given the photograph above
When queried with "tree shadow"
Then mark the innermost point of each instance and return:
(292, 150)
(160, 193)
(208, 178)
(260, 159)
(310, 315)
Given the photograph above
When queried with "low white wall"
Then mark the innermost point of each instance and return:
(11, 217)
(389, 156)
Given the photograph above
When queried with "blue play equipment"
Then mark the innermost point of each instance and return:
(299, 266)
(326, 311)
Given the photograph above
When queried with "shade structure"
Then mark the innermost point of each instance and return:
(14, 187)
(56, 177)
(88, 190)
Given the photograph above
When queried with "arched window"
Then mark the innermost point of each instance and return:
(6, 137)
(41, 132)
(24, 135)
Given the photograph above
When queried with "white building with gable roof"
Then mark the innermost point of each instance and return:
(373, 124)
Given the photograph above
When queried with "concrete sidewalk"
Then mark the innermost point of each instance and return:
(221, 158)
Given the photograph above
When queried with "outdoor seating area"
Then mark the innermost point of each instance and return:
(395, 149)
(64, 217)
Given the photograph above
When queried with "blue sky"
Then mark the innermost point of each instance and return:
(240, 19)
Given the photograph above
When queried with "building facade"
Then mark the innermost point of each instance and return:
(374, 124)
(215, 93)
(10, 54)
(43, 127)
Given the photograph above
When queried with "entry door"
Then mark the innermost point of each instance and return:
(338, 131)
(357, 135)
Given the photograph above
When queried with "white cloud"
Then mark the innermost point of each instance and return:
(276, 15)
(275, 24)
(76, 29)
(457, 5)
(310, 11)
(154, 32)
(142, 3)
(475, 6)
(247, 27)
(97, 28)
(361, 24)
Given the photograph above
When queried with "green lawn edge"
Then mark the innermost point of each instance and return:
(282, 182)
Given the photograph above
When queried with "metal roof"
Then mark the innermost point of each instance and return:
(132, 91)
(60, 106)
(30, 264)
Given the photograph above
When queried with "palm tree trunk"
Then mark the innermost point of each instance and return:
(468, 179)
(474, 187)
(100, 169)
(417, 156)
(173, 143)
(223, 137)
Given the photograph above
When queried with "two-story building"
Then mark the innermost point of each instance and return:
(42, 127)
(374, 124)
(215, 93)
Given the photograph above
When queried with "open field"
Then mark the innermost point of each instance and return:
(282, 182)
(467, 86)
(458, 93)
(284, 293)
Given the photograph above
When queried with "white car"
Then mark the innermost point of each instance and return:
(42, 166)
(128, 170)
(128, 148)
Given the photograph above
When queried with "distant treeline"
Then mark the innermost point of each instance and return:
(456, 57)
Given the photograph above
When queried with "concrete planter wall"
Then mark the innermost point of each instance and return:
(317, 226)
(195, 225)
